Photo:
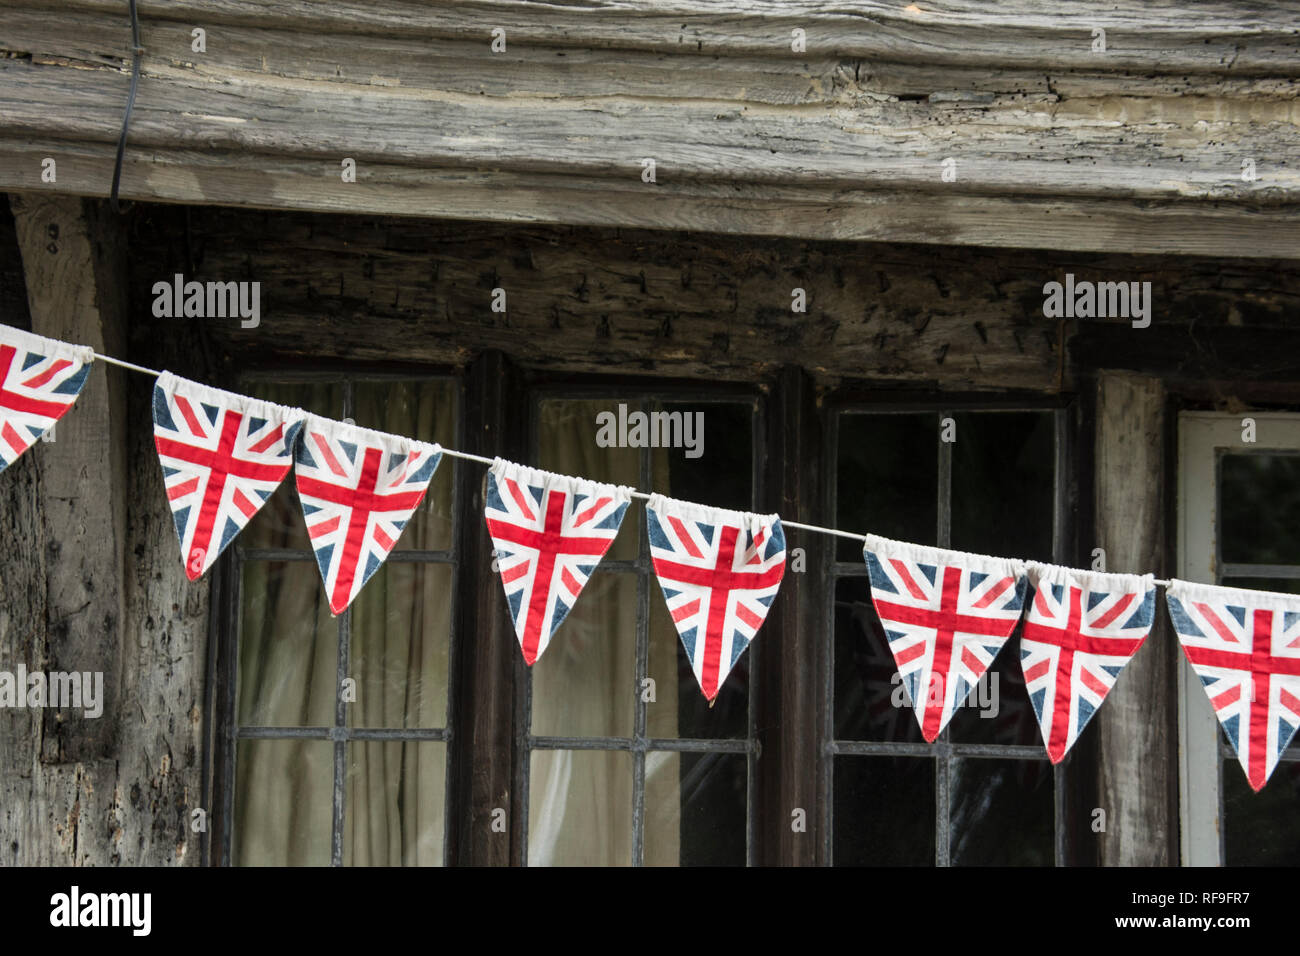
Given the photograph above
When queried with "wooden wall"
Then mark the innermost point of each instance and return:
(410, 292)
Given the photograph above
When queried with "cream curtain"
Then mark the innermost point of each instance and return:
(580, 801)
(400, 625)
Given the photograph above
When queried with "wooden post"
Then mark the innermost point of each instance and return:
(789, 682)
(75, 293)
(483, 766)
(1138, 776)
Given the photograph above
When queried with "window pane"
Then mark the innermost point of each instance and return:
(401, 636)
(580, 808)
(288, 647)
(584, 684)
(1002, 488)
(870, 702)
(393, 808)
(722, 473)
(695, 809)
(1259, 509)
(887, 478)
(999, 711)
(567, 434)
(1003, 812)
(426, 411)
(279, 524)
(1261, 829)
(284, 792)
(679, 708)
(884, 811)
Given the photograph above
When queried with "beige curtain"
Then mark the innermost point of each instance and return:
(400, 625)
(580, 801)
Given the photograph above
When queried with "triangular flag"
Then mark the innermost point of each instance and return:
(358, 490)
(1245, 648)
(719, 572)
(1082, 628)
(946, 615)
(550, 532)
(40, 378)
(222, 455)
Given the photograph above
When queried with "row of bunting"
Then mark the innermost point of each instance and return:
(946, 614)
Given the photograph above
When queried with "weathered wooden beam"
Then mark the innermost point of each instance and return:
(839, 142)
(74, 269)
(1137, 778)
(95, 582)
(1214, 37)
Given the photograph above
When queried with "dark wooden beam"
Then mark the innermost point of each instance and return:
(484, 766)
(790, 703)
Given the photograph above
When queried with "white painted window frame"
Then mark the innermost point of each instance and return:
(1201, 438)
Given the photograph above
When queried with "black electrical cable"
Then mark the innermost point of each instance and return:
(136, 52)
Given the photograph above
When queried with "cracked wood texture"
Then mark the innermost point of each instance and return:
(647, 303)
(93, 581)
(1137, 728)
(1138, 148)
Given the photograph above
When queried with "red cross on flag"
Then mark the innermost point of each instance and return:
(946, 615)
(1245, 648)
(719, 572)
(550, 532)
(1082, 628)
(40, 378)
(222, 455)
(358, 490)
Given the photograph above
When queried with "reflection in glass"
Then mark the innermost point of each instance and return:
(680, 708)
(580, 808)
(1003, 495)
(1259, 509)
(884, 811)
(870, 702)
(1002, 812)
(695, 802)
(1261, 829)
(887, 478)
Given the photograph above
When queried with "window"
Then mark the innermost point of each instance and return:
(624, 761)
(984, 792)
(337, 728)
(619, 759)
(1239, 526)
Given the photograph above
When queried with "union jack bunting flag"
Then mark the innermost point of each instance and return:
(946, 615)
(719, 571)
(358, 490)
(40, 378)
(222, 455)
(1081, 629)
(550, 532)
(1245, 648)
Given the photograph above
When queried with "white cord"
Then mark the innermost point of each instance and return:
(487, 461)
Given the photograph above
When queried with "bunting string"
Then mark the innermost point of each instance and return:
(945, 614)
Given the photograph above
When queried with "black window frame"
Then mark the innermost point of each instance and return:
(225, 732)
(1065, 527)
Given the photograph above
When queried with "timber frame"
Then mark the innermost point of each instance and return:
(821, 170)
(1162, 128)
